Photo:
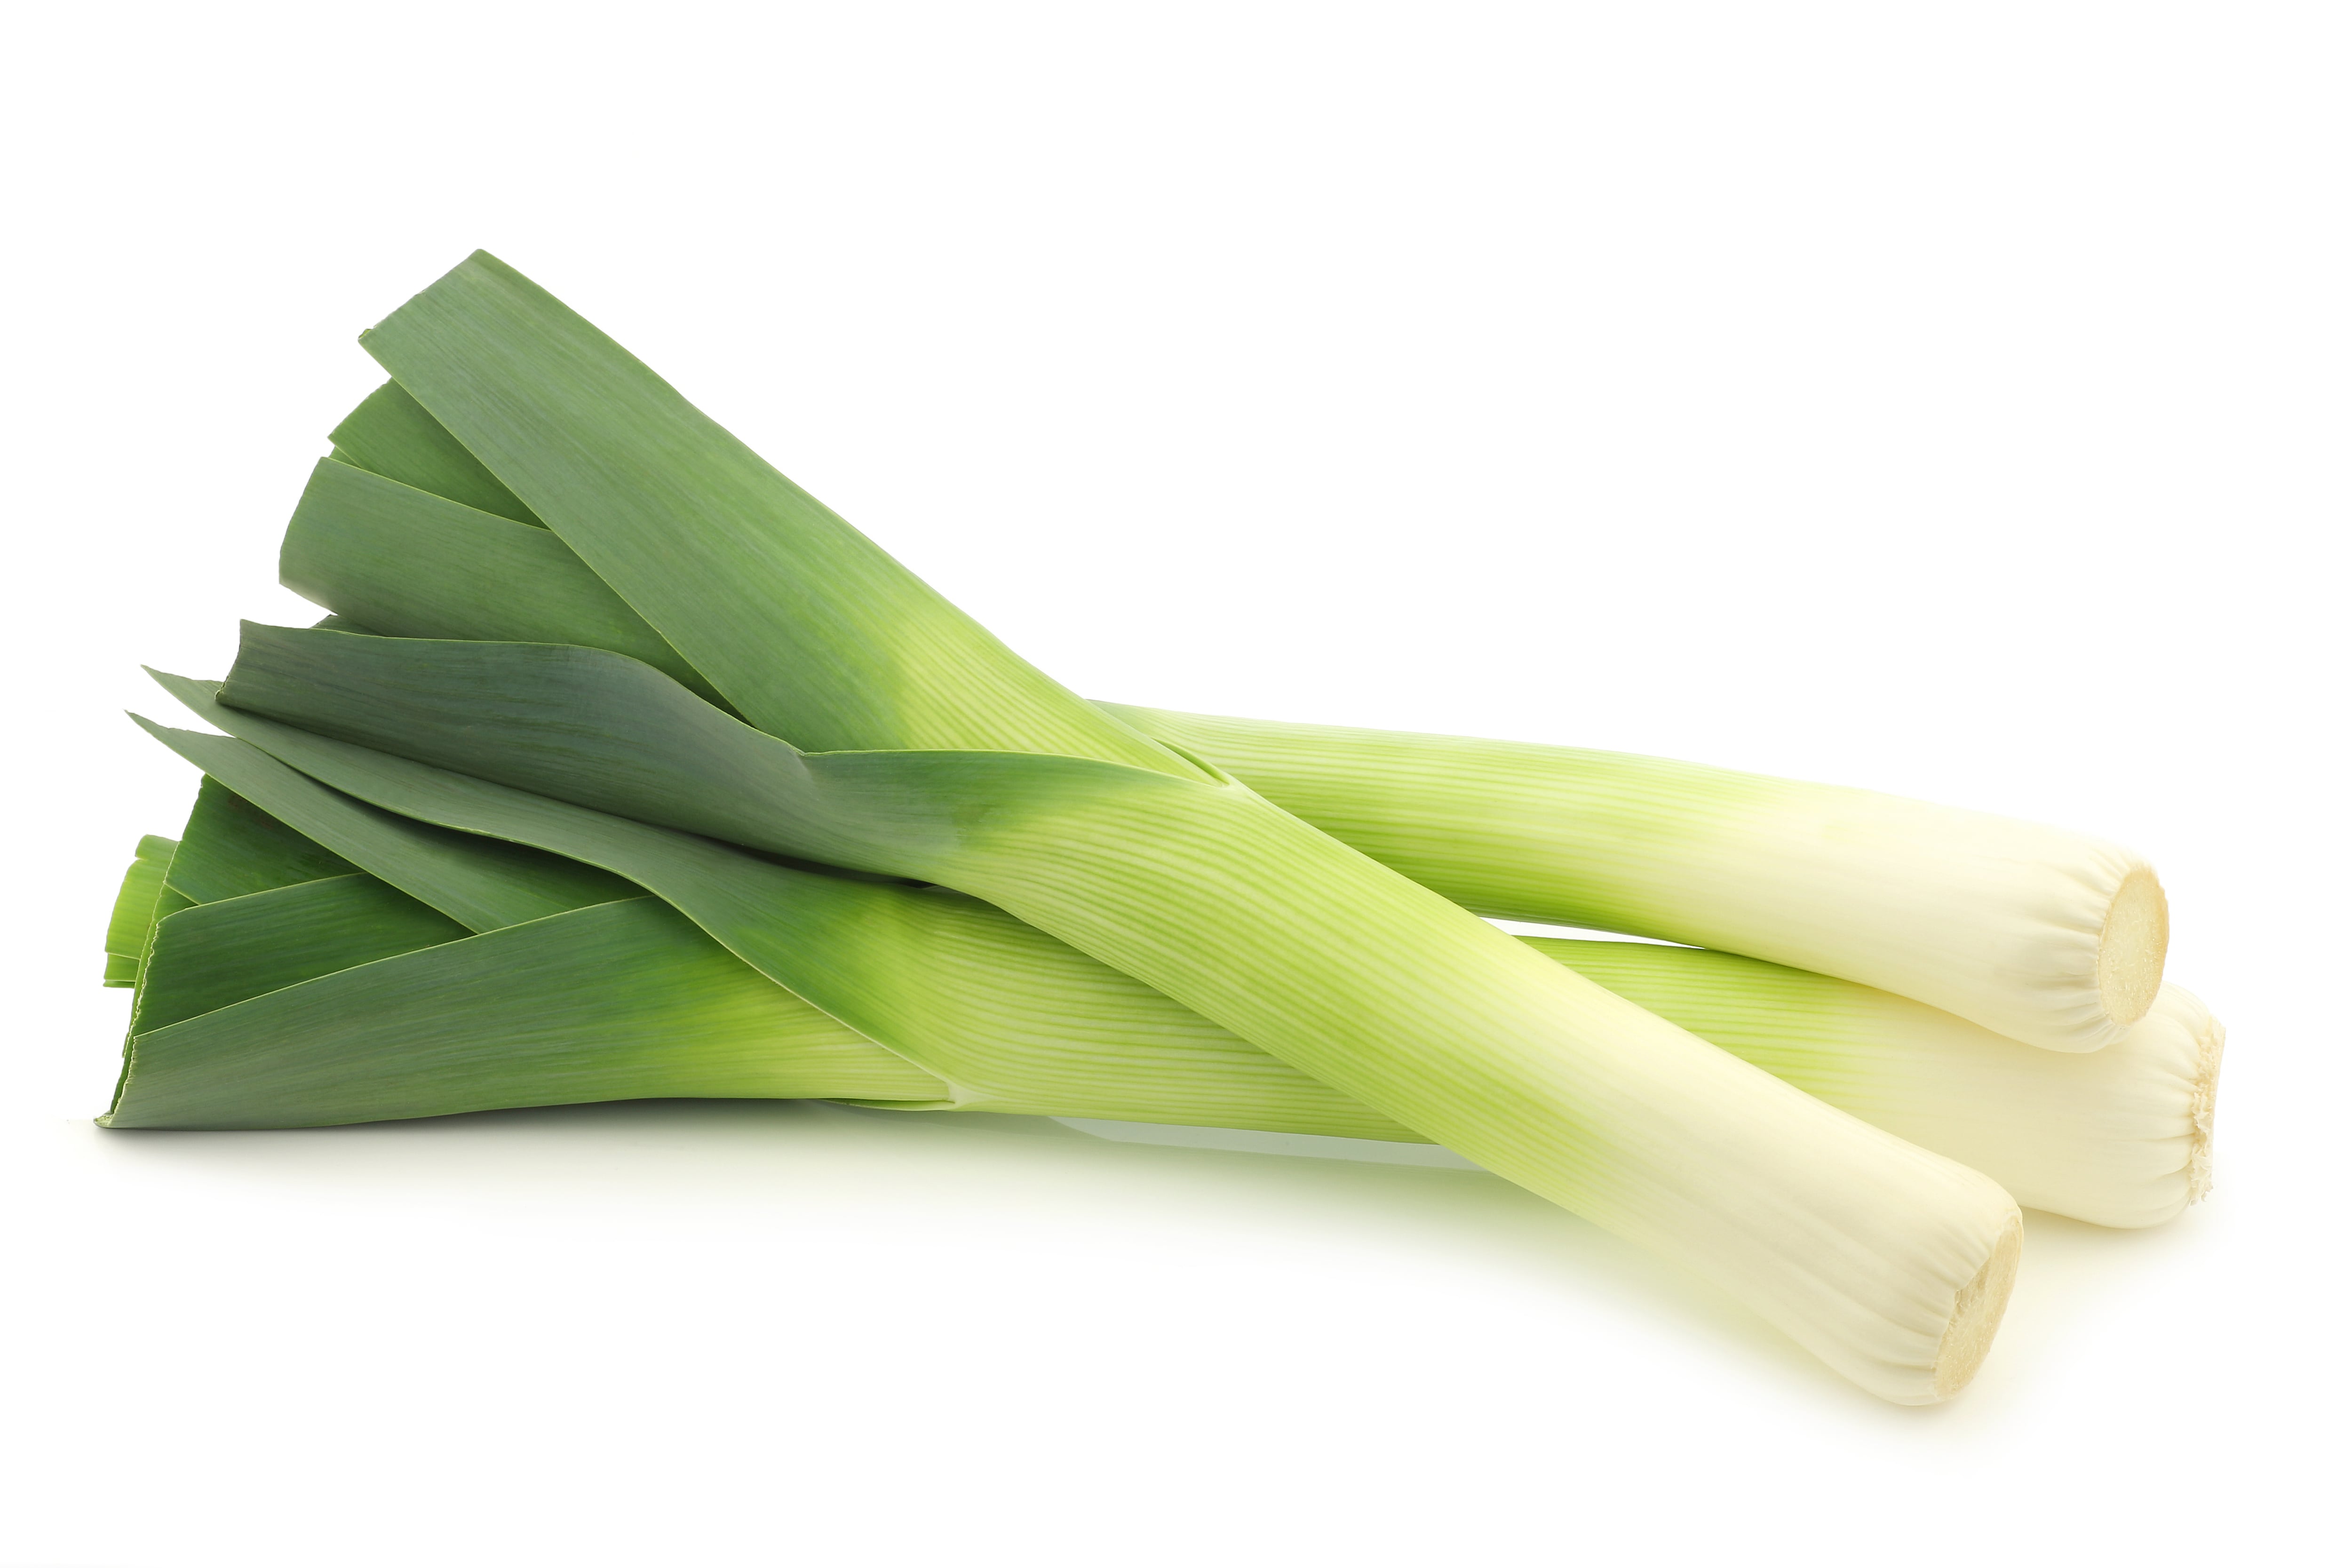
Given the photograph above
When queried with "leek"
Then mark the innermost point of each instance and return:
(2038, 934)
(627, 999)
(935, 753)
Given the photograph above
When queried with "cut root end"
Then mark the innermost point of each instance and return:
(2131, 947)
(1976, 1314)
(2202, 1092)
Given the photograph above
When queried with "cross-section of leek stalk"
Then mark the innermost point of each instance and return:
(946, 758)
(2040, 934)
(627, 999)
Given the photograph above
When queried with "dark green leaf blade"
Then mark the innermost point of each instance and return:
(390, 434)
(230, 848)
(406, 564)
(612, 1002)
(481, 885)
(809, 630)
(219, 953)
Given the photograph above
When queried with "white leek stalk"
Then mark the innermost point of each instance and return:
(2038, 934)
(2122, 1136)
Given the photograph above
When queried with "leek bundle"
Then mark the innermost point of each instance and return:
(273, 1001)
(624, 768)
(870, 725)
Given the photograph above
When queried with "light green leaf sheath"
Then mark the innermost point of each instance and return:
(1889, 1261)
(2037, 933)
(2043, 935)
(134, 909)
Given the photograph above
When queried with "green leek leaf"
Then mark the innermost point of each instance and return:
(216, 954)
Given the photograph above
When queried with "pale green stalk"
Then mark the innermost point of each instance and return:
(2038, 934)
(2121, 1136)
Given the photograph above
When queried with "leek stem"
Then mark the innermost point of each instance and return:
(2036, 933)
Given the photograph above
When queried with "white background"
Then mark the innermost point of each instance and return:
(1950, 400)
